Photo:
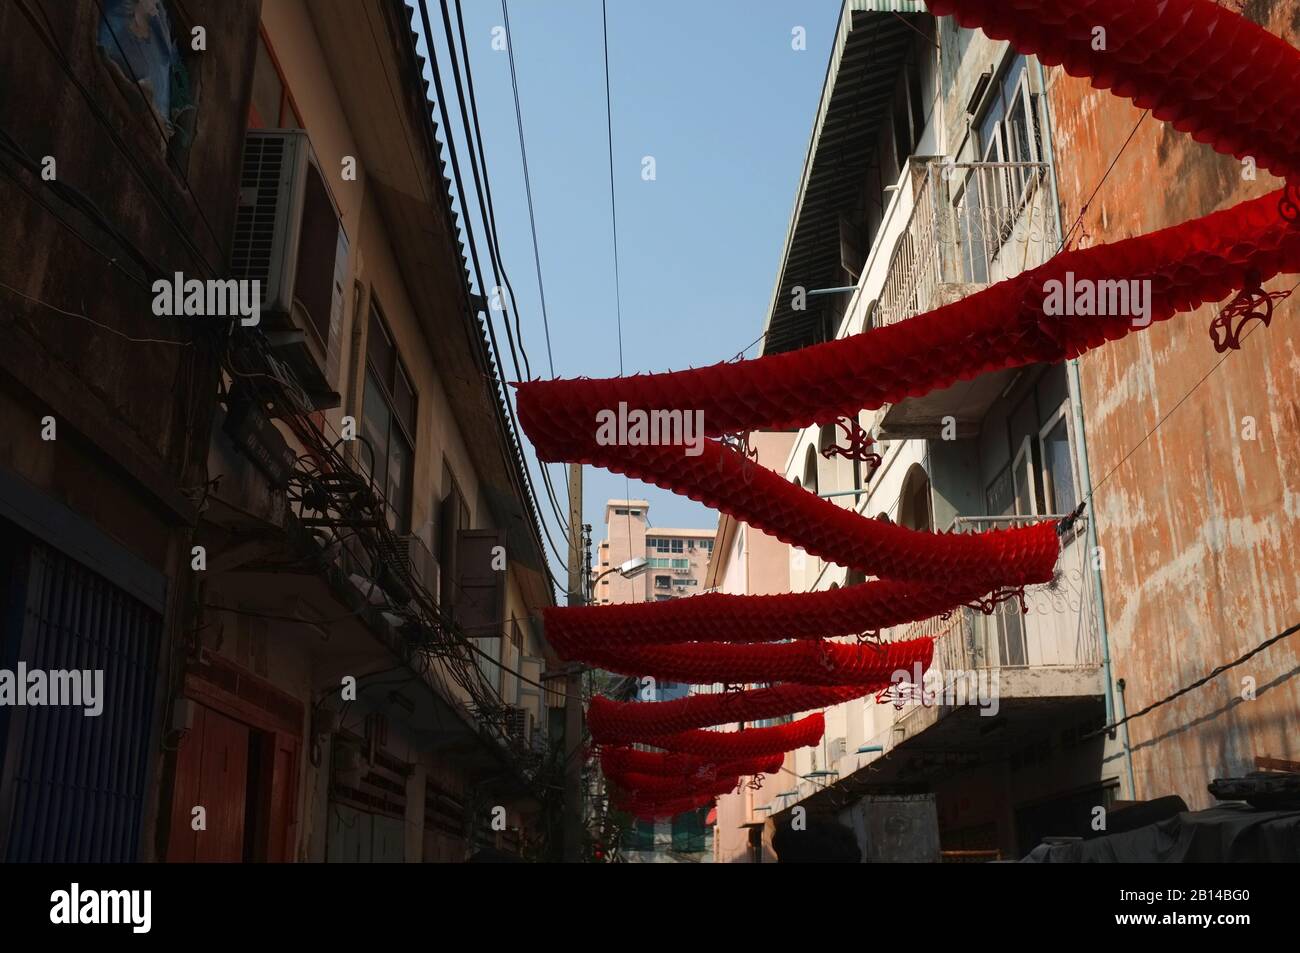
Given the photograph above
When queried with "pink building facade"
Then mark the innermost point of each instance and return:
(749, 562)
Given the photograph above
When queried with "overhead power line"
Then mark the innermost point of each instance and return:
(613, 217)
(528, 187)
(473, 247)
(1214, 673)
(537, 259)
(487, 211)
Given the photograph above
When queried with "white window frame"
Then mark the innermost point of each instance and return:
(1024, 457)
(1048, 487)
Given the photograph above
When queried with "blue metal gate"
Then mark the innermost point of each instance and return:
(72, 785)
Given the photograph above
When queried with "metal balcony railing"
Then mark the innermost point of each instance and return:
(1059, 629)
(971, 223)
(1058, 633)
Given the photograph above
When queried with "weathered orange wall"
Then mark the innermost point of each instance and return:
(1199, 526)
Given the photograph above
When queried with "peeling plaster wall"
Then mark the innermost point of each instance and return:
(1198, 526)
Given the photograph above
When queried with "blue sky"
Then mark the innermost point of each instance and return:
(716, 94)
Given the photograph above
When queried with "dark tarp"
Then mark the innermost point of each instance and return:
(1230, 833)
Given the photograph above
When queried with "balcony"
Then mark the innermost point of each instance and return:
(1058, 633)
(1033, 672)
(969, 225)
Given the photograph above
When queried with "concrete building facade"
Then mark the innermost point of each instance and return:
(747, 561)
(929, 175)
(305, 553)
(940, 162)
(105, 407)
(677, 564)
(1196, 513)
(676, 559)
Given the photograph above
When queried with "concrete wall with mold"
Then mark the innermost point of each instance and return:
(1198, 526)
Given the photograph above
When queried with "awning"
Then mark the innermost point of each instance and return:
(869, 49)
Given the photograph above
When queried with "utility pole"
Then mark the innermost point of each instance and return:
(574, 815)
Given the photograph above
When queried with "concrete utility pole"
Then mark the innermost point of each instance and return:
(574, 815)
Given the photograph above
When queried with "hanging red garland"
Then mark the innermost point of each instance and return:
(735, 745)
(997, 558)
(615, 760)
(635, 785)
(1002, 326)
(1200, 66)
(614, 722)
(721, 617)
(1152, 53)
(812, 662)
(648, 809)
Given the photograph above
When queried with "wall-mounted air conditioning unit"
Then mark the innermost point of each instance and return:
(518, 723)
(409, 558)
(289, 236)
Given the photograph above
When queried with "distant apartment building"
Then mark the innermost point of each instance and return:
(676, 559)
(677, 563)
(751, 563)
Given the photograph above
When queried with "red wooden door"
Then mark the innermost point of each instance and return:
(283, 798)
(212, 773)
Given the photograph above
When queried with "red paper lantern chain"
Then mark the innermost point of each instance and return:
(632, 784)
(721, 617)
(736, 745)
(614, 722)
(1022, 555)
(615, 760)
(648, 809)
(807, 662)
(1002, 326)
(1199, 66)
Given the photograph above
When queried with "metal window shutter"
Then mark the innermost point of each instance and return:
(72, 786)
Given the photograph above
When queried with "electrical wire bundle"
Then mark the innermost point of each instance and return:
(345, 514)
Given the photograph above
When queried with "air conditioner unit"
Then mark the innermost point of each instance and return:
(409, 558)
(518, 723)
(835, 749)
(289, 236)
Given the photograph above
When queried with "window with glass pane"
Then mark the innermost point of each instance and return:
(1003, 632)
(997, 142)
(999, 498)
(1024, 471)
(688, 831)
(271, 106)
(1061, 496)
(1007, 134)
(388, 423)
(375, 424)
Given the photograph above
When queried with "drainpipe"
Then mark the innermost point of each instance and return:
(1128, 748)
(1081, 457)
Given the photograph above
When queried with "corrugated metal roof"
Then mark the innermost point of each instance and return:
(890, 6)
(870, 46)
